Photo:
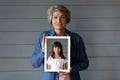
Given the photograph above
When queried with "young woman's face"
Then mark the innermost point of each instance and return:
(59, 20)
(56, 50)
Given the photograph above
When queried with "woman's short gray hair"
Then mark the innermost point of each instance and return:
(60, 8)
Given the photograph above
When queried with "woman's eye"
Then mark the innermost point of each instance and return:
(55, 17)
(63, 17)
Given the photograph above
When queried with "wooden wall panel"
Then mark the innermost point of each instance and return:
(41, 12)
(51, 2)
(100, 75)
(20, 75)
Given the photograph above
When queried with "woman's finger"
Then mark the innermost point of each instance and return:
(43, 42)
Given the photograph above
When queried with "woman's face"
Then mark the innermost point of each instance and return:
(59, 20)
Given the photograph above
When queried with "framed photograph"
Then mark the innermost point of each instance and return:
(57, 53)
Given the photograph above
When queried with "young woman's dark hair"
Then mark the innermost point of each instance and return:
(58, 44)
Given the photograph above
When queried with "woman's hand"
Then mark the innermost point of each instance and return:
(43, 43)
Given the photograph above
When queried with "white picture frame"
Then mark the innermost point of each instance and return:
(65, 41)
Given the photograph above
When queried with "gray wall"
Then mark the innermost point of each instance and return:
(97, 21)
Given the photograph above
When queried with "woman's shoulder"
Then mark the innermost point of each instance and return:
(74, 34)
(48, 32)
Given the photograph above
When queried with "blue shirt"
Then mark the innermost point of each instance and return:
(79, 59)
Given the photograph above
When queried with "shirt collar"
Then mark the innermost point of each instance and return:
(52, 32)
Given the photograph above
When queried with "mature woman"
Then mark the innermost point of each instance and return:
(59, 17)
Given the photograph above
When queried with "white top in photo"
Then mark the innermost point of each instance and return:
(56, 64)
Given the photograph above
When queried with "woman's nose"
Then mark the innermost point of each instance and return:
(59, 20)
